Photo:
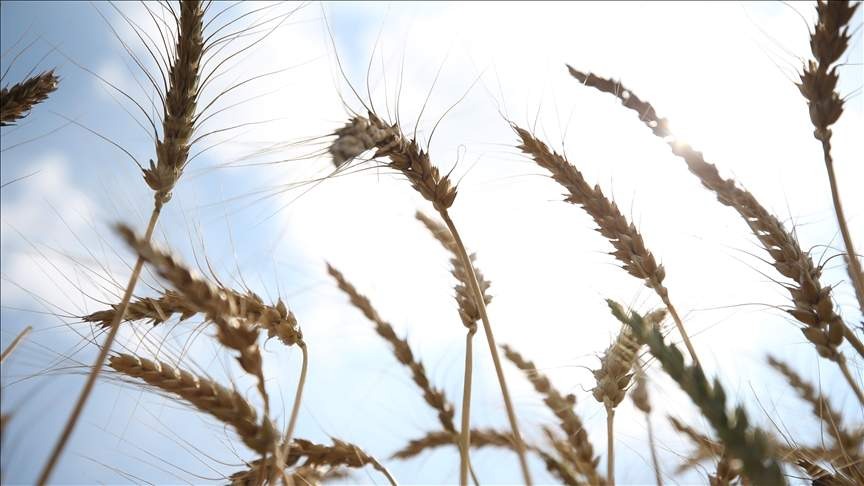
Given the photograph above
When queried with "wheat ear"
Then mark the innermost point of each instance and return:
(743, 442)
(828, 42)
(172, 153)
(813, 307)
(585, 461)
(206, 395)
(629, 246)
(17, 101)
(405, 155)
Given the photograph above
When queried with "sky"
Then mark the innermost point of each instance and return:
(253, 208)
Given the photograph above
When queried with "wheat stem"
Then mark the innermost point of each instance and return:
(465, 434)
(493, 348)
(298, 397)
(844, 368)
(15, 342)
(653, 446)
(610, 445)
(45, 475)
(853, 265)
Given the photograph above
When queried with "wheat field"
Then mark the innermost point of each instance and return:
(432, 243)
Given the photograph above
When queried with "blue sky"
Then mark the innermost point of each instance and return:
(722, 73)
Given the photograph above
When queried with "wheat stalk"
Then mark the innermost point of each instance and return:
(172, 153)
(401, 350)
(363, 134)
(641, 399)
(828, 42)
(17, 101)
(629, 246)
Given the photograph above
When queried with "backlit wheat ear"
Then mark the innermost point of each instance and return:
(742, 442)
(813, 306)
(433, 396)
(17, 100)
(172, 152)
(562, 407)
(207, 396)
(629, 247)
(824, 328)
(829, 41)
(405, 155)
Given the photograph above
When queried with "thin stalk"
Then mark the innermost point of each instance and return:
(656, 463)
(680, 326)
(100, 360)
(298, 397)
(849, 379)
(493, 348)
(15, 342)
(852, 264)
(610, 445)
(465, 435)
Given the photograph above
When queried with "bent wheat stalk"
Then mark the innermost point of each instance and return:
(172, 153)
(629, 246)
(361, 134)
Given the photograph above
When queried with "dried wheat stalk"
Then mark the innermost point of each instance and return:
(433, 396)
(226, 312)
(741, 441)
(813, 307)
(277, 319)
(828, 42)
(562, 407)
(206, 395)
(172, 153)
(15, 343)
(362, 134)
(629, 247)
(315, 457)
(17, 101)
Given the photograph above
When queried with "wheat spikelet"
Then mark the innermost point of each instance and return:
(301, 476)
(17, 101)
(821, 477)
(468, 311)
(433, 396)
(361, 134)
(812, 302)
(172, 150)
(629, 246)
(562, 407)
(206, 395)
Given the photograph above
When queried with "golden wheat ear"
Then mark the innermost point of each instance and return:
(17, 100)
